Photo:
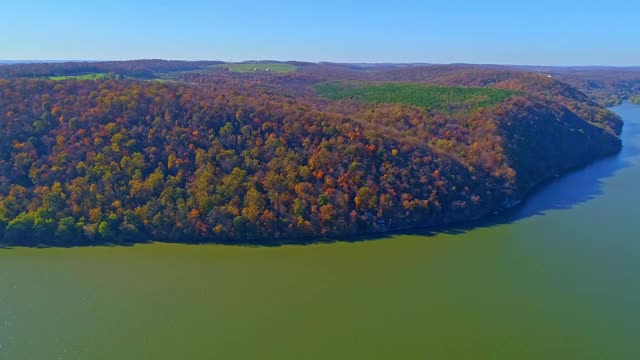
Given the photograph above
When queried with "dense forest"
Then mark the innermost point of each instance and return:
(263, 156)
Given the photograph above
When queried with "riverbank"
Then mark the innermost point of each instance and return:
(554, 279)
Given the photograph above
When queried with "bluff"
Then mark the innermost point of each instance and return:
(263, 158)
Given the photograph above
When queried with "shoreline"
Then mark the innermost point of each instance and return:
(499, 215)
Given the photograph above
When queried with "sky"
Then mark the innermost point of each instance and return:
(541, 32)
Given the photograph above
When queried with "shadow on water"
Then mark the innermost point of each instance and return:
(45, 245)
(563, 193)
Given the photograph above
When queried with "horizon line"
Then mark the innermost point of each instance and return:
(46, 61)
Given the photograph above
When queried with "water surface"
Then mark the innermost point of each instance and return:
(557, 279)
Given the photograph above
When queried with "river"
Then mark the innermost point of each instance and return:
(555, 279)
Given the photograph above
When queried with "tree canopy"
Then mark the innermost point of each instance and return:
(262, 158)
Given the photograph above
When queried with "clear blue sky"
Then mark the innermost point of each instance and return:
(541, 32)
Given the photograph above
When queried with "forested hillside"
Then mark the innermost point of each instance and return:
(261, 157)
(606, 85)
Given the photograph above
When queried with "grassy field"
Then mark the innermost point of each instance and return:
(95, 76)
(272, 67)
(441, 98)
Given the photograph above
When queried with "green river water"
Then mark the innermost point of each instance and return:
(555, 279)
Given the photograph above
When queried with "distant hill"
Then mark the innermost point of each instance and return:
(9, 62)
(607, 85)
